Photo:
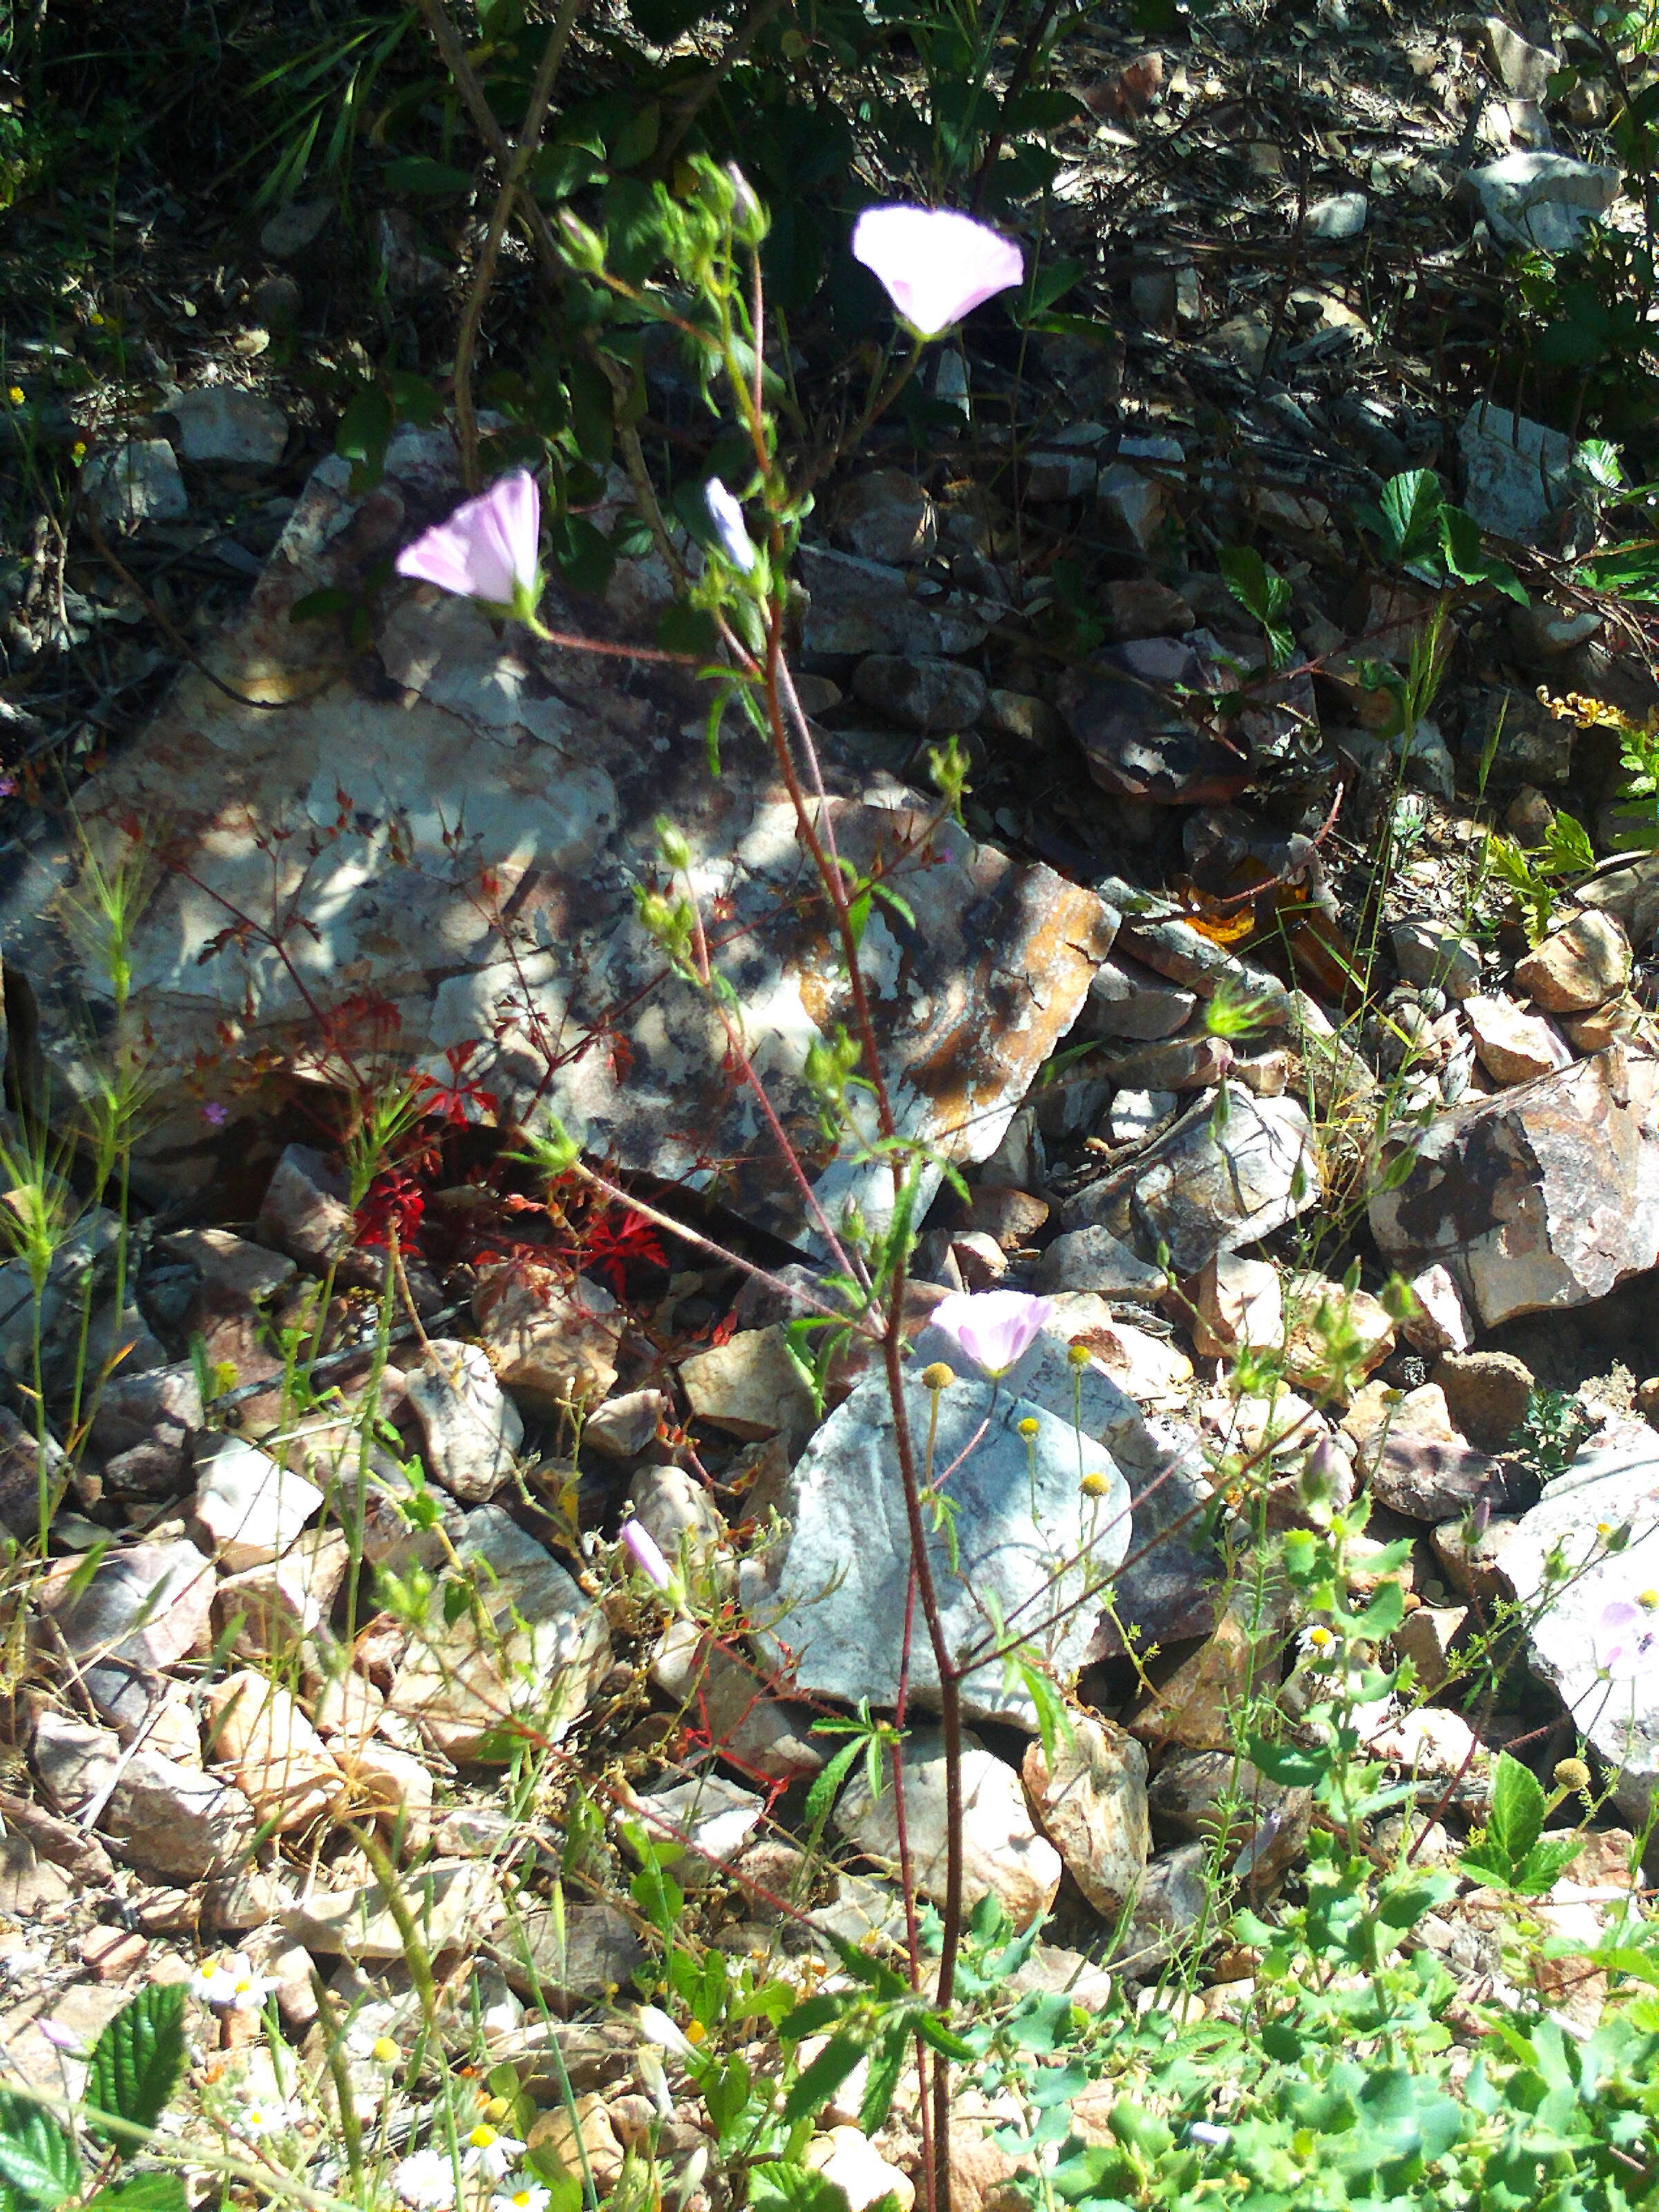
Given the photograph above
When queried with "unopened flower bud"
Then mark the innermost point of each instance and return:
(938, 1375)
(671, 843)
(749, 222)
(584, 246)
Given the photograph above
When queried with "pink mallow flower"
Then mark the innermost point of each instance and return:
(487, 550)
(995, 1328)
(1626, 1639)
(935, 266)
(644, 1550)
(726, 514)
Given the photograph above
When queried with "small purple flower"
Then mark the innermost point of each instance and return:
(726, 514)
(995, 1328)
(8, 786)
(935, 266)
(488, 549)
(1625, 1639)
(61, 2038)
(214, 1114)
(647, 1555)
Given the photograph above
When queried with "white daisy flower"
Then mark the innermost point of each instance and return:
(485, 2150)
(426, 2181)
(257, 2119)
(522, 2197)
(247, 1990)
(1318, 1645)
(218, 1979)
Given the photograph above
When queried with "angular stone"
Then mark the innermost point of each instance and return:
(1093, 1259)
(1418, 1463)
(1091, 1802)
(884, 515)
(1003, 1855)
(223, 426)
(1135, 1117)
(676, 1511)
(29, 1466)
(1578, 967)
(1127, 1001)
(624, 1427)
(230, 1263)
(1124, 710)
(1028, 720)
(142, 1430)
(449, 1901)
(1544, 1196)
(856, 606)
(727, 1700)
(1613, 1483)
(706, 1820)
(469, 1428)
(135, 483)
(394, 1787)
(846, 2158)
(1514, 1047)
(280, 1763)
(935, 696)
(146, 1607)
(830, 1597)
(558, 771)
(1195, 1705)
(1233, 1302)
(1269, 1821)
(1521, 67)
(1427, 1637)
(1542, 201)
(1204, 1189)
(1052, 476)
(1314, 1306)
(248, 1508)
(554, 1345)
(1441, 1320)
(1140, 606)
(267, 1612)
(1434, 958)
(1474, 1569)
(295, 226)
(1487, 1394)
(1012, 1217)
(545, 1649)
(750, 1386)
(1341, 214)
(1188, 1063)
(1174, 1898)
(583, 1955)
(304, 1213)
(165, 1818)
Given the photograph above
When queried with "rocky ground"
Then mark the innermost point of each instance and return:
(412, 841)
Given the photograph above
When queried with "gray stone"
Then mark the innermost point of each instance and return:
(1211, 1186)
(30, 1464)
(584, 1955)
(304, 1213)
(1135, 1117)
(231, 1263)
(884, 515)
(470, 1429)
(1093, 1259)
(223, 426)
(1521, 67)
(1516, 472)
(1342, 215)
(750, 1386)
(1544, 1196)
(857, 607)
(829, 1596)
(557, 772)
(1052, 476)
(277, 300)
(697, 1826)
(1578, 967)
(1173, 1898)
(1531, 744)
(1020, 715)
(143, 1428)
(624, 1427)
(540, 1654)
(1127, 708)
(1091, 1802)
(1416, 1462)
(1127, 1001)
(1613, 1483)
(1003, 1855)
(726, 1700)
(936, 696)
(449, 1901)
(135, 483)
(294, 228)
(156, 1815)
(146, 1607)
(1269, 1824)
(1630, 895)
(1185, 1063)
(1131, 490)
(1427, 1637)
(676, 1511)
(247, 1508)
(1546, 201)
(553, 1344)
(1435, 959)
(1162, 941)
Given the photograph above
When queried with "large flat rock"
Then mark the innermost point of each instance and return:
(433, 841)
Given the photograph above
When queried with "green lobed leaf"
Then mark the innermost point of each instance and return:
(144, 2192)
(139, 2057)
(819, 2081)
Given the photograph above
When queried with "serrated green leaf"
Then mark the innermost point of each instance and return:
(819, 2082)
(139, 2057)
(881, 2082)
(1409, 511)
(828, 1780)
(144, 2192)
(38, 2158)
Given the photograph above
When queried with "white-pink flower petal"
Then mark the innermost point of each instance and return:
(488, 549)
(936, 265)
(995, 1328)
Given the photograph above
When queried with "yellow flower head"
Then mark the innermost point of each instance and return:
(1030, 1425)
(78, 452)
(384, 2052)
(1078, 1353)
(695, 2032)
(482, 2137)
(938, 1377)
(1096, 1485)
(15, 395)
(1648, 1599)
(1572, 1774)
